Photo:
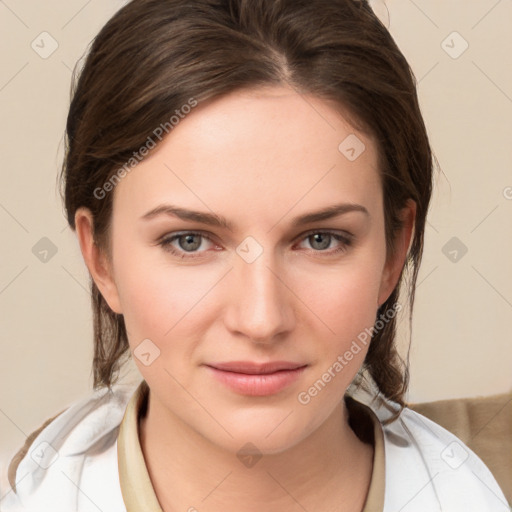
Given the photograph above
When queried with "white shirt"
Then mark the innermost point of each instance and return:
(89, 459)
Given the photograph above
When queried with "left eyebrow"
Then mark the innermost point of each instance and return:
(213, 219)
(328, 213)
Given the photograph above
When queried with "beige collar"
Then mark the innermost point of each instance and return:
(137, 489)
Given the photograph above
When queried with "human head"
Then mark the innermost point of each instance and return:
(179, 52)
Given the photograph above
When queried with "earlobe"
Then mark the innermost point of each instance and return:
(396, 261)
(95, 259)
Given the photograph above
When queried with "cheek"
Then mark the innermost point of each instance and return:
(345, 298)
(153, 302)
(345, 307)
(158, 307)
(162, 302)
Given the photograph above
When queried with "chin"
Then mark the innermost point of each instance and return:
(268, 434)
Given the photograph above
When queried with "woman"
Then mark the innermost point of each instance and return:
(249, 182)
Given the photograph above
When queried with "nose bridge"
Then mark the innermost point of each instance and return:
(260, 305)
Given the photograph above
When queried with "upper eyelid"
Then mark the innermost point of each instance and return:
(299, 237)
(338, 232)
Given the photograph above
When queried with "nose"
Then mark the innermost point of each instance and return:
(260, 304)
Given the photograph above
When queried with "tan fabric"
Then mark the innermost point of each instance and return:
(375, 498)
(136, 487)
(484, 425)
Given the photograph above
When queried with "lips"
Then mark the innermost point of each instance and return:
(252, 368)
(256, 379)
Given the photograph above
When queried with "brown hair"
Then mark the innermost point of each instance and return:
(153, 56)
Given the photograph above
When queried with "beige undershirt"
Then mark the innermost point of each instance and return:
(137, 489)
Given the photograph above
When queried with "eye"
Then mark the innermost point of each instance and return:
(321, 240)
(188, 243)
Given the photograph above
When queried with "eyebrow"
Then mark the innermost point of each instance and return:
(215, 220)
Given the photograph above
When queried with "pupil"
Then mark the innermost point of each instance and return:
(189, 240)
(318, 237)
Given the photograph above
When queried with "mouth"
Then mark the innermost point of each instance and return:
(256, 379)
(252, 368)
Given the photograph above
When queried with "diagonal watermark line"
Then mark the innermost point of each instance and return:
(16, 484)
(206, 293)
(280, 423)
(300, 199)
(418, 285)
(19, 19)
(165, 165)
(14, 218)
(76, 14)
(67, 66)
(424, 14)
(217, 486)
(17, 426)
(497, 497)
(428, 72)
(491, 9)
(487, 281)
(491, 80)
(286, 491)
(199, 403)
(76, 280)
(13, 279)
(491, 419)
(407, 503)
(14, 76)
(101, 510)
(432, 226)
(300, 299)
(493, 210)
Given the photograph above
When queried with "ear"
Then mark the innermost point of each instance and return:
(396, 261)
(96, 260)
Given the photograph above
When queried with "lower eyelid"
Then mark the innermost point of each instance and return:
(166, 242)
(345, 240)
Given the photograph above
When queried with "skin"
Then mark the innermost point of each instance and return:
(259, 158)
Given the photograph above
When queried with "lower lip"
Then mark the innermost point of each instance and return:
(257, 385)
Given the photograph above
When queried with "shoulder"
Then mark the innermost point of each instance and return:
(429, 468)
(22, 452)
(55, 457)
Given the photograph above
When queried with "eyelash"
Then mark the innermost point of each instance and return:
(346, 241)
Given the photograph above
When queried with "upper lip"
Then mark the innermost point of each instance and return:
(250, 367)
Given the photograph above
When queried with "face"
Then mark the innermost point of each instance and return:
(268, 287)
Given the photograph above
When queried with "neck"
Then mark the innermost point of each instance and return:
(330, 469)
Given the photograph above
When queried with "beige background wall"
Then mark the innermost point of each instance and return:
(461, 332)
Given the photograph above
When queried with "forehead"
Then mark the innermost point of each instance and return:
(267, 146)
